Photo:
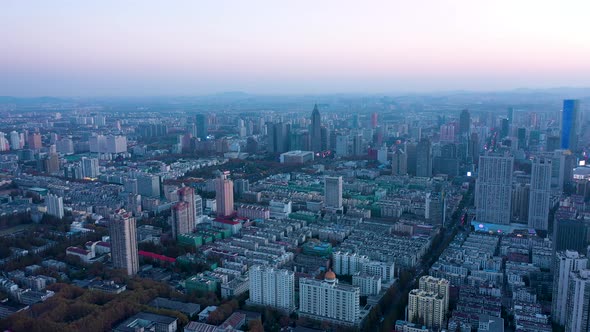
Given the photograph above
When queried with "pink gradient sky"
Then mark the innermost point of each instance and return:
(110, 47)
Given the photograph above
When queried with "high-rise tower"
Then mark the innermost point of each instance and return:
(333, 192)
(493, 189)
(570, 124)
(540, 194)
(316, 130)
(224, 195)
(123, 229)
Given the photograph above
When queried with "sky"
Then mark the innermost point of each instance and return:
(193, 47)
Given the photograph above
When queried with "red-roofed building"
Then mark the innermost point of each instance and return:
(85, 255)
(156, 256)
(234, 226)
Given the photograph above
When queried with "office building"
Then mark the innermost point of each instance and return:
(122, 229)
(427, 308)
(224, 195)
(569, 234)
(278, 137)
(464, 124)
(570, 124)
(55, 206)
(540, 194)
(493, 189)
(328, 300)
(316, 130)
(520, 202)
(357, 145)
(202, 124)
(399, 162)
(342, 145)
(272, 287)
(578, 301)
(424, 158)
(565, 262)
(333, 192)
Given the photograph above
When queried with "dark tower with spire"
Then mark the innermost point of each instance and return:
(316, 130)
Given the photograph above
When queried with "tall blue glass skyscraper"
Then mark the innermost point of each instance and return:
(569, 124)
(202, 126)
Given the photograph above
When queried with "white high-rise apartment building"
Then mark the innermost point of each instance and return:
(368, 284)
(427, 308)
(55, 206)
(540, 194)
(272, 287)
(90, 167)
(439, 286)
(123, 230)
(345, 263)
(15, 141)
(578, 301)
(384, 270)
(565, 263)
(333, 192)
(493, 189)
(327, 300)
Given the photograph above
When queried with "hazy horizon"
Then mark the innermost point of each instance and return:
(146, 48)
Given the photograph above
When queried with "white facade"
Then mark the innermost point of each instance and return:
(272, 287)
(345, 263)
(280, 209)
(540, 194)
(15, 141)
(438, 286)
(493, 189)
(90, 167)
(55, 206)
(578, 301)
(368, 284)
(565, 263)
(382, 269)
(426, 307)
(107, 144)
(327, 300)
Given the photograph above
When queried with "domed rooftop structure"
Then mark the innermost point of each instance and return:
(330, 276)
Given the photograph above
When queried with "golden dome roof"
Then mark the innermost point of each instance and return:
(331, 276)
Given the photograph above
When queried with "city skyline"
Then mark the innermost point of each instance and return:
(148, 48)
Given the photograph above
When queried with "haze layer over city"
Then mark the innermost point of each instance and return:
(294, 166)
